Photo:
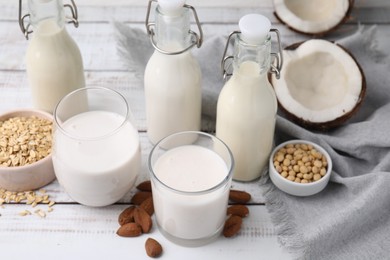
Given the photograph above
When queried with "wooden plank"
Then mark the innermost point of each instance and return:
(204, 3)
(98, 44)
(208, 11)
(58, 194)
(75, 231)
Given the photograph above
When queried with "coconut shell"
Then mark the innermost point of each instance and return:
(321, 33)
(328, 125)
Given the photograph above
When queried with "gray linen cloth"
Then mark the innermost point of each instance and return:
(350, 218)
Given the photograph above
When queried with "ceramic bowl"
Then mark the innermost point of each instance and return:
(299, 189)
(32, 176)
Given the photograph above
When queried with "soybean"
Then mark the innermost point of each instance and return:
(300, 163)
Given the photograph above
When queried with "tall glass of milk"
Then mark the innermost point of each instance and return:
(190, 184)
(96, 149)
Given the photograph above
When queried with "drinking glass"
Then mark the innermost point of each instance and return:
(96, 148)
(190, 184)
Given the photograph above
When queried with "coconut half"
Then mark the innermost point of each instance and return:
(321, 85)
(313, 17)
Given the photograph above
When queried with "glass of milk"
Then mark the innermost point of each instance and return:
(96, 149)
(190, 184)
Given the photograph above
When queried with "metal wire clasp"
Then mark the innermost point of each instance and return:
(276, 63)
(25, 26)
(196, 40)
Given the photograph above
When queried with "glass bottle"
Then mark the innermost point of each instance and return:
(172, 76)
(247, 105)
(53, 60)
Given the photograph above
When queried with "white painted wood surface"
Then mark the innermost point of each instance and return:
(79, 232)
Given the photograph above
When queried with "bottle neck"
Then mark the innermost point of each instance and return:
(51, 11)
(259, 56)
(172, 31)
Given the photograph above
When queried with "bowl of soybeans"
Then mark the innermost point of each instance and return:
(300, 168)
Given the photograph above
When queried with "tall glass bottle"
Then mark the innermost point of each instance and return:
(172, 76)
(247, 104)
(53, 60)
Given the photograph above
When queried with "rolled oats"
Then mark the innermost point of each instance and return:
(32, 198)
(24, 140)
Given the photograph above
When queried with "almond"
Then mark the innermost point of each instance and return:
(238, 210)
(145, 186)
(126, 216)
(142, 218)
(140, 196)
(147, 205)
(153, 248)
(232, 226)
(130, 230)
(239, 196)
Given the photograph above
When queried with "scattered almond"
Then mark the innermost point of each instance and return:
(153, 248)
(147, 205)
(238, 210)
(140, 196)
(129, 230)
(145, 186)
(142, 218)
(238, 196)
(126, 216)
(232, 226)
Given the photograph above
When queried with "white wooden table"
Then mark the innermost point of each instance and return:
(80, 232)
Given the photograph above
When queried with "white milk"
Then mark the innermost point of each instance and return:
(190, 216)
(172, 94)
(98, 171)
(246, 120)
(54, 65)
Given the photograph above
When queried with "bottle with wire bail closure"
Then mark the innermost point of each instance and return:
(247, 105)
(53, 61)
(172, 77)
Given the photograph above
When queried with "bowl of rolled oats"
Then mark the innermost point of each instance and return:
(25, 150)
(300, 168)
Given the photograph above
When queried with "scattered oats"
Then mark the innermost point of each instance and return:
(38, 199)
(40, 213)
(29, 198)
(24, 213)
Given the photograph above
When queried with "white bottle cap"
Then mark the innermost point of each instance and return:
(254, 28)
(171, 7)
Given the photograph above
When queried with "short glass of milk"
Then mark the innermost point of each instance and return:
(190, 184)
(96, 148)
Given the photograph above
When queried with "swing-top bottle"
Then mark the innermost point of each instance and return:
(172, 77)
(247, 104)
(53, 60)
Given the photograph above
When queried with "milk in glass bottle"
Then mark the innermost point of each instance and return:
(172, 76)
(53, 60)
(247, 105)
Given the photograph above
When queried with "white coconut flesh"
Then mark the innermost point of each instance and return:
(319, 81)
(311, 16)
